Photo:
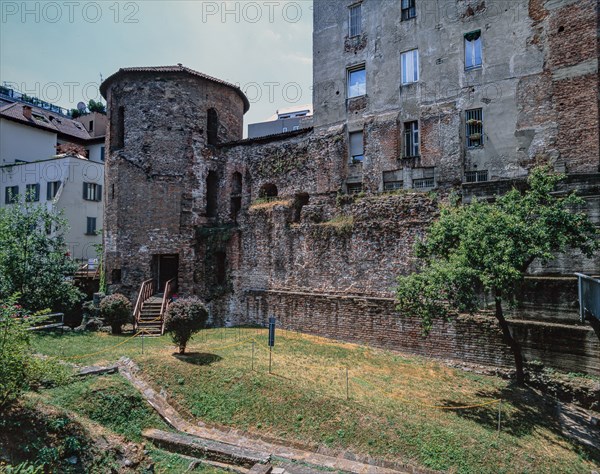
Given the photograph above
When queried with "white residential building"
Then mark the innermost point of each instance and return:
(58, 161)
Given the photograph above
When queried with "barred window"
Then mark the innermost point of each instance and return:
(411, 139)
(355, 20)
(354, 188)
(408, 9)
(423, 183)
(474, 128)
(476, 176)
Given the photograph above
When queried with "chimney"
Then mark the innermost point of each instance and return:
(27, 112)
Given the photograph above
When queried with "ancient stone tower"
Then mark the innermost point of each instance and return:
(161, 174)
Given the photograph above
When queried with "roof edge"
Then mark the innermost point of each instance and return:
(168, 69)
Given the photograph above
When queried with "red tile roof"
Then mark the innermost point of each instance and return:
(178, 68)
(45, 119)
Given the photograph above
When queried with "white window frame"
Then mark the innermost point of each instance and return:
(471, 47)
(409, 66)
(411, 137)
(361, 91)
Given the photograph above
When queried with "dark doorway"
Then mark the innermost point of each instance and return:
(165, 268)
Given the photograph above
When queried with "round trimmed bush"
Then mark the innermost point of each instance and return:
(116, 311)
(184, 317)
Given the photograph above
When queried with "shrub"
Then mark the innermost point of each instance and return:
(185, 317)
(116, 311)
(19, 370)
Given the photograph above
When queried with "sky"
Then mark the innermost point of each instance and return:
(59, 50)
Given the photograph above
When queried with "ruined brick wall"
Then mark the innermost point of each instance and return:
(322, 260)
(475, 339)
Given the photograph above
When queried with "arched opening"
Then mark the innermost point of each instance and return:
(267, 190)
(221, 267)
(236, 194)
(212, 126)
(118, 129)
(212, 194)
(300, 200)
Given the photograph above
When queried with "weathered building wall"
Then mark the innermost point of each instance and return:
(266, 226)
(156, 179)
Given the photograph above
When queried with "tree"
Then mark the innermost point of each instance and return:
(488, 247)
(75, 113)
(94, 106)
(34, 262)
(185, 317)
(116, 311)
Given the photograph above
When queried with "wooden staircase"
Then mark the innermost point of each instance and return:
(150, 319)
(150, 308)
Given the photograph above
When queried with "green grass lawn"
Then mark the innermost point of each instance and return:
(392, 412)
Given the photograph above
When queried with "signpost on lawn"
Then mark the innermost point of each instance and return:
(272, 323)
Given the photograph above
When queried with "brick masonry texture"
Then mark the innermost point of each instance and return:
(326, 262)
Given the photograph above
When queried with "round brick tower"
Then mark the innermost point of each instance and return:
(163, 155)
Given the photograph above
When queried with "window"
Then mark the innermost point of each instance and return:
(392, 185)
(91, 125)
(268, 190)
(92, 192)
(91, 226)
(476, 176)
(355, 21)
(221, 270)
(354, 188)
(423, 183)
(408, 9)
(32, 192)
(212, 194)
(236, 194)
(410, 66)
(357, 81)
(473, 50)
(474, 128)
(102, 154)
(411, 139)
(52, 190)
(11, 194)
(392, 180)
(118, 129)
(212, 126)
(357, 147)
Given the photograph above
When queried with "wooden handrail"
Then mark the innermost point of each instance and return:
(146, 291)
(169, 288)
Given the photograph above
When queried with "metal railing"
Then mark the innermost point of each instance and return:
(589, 297)
(146, 291)
(168, 294)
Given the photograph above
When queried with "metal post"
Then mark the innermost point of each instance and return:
(142, 343)
(347, 386)
(270, 358)
(499, 412)
(252, 356)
